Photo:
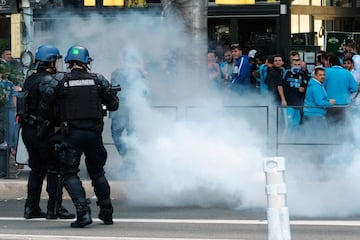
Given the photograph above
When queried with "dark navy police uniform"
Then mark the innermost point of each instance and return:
(80, 97)
(42, 159)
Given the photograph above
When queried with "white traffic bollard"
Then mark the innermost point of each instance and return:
(277, 212)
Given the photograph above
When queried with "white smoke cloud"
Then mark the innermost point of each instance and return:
(322, 179)
(206, 156)
(199, 163)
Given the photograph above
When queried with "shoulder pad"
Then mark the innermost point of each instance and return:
(59, 76)
(100, 77)
(102, 80)
(47, 78)
(49, 81)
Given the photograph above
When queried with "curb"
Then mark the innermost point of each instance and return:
(17, 189)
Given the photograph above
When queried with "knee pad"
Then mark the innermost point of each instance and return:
(101, 188)
(99, 181)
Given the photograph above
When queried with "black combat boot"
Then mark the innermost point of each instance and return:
(60, 212)
(51, 213)
(32, 204)
(63, 213)
(106, 211)
(32, 210)
(55, 210)
(83, 216)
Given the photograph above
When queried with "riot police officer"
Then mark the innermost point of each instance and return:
(42, 161)
(79, 97)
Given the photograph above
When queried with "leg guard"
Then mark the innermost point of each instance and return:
(74, 187)
(51, 188)
(32, 208)
(101, 188)
(52, 183)
(70, 161)
(102, 192)
(61, 211)
(106, 211)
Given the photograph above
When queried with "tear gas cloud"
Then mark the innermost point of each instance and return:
(206, 155)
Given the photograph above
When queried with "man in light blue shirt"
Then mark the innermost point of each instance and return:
(316, 98)
(316, 105)
(339, 84)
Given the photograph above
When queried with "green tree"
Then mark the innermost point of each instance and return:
(4, 44)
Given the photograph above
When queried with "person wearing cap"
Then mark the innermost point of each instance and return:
(42, 162)
(256, 60)
(79, 97)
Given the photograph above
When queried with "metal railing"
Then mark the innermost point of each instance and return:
(279, 121)
(243, 111)
(236, 107)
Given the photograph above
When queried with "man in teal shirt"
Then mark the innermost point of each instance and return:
(339, 84)
(316, 98)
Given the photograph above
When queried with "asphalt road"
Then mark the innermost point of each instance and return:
(177, 223)
(180, 223)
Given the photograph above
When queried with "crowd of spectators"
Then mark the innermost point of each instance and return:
(324, 91)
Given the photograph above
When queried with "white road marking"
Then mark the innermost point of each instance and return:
(204, 221)
(46, 237)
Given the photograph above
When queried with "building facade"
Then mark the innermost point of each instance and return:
(270, 25)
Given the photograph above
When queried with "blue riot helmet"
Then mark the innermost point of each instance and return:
(47, 53)
(46, 57)
(78, 54)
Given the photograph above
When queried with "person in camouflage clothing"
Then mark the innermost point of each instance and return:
(8, 108)
(13, 70)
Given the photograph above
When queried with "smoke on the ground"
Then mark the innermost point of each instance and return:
(203, 151)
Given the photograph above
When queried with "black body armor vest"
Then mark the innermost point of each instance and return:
(80, 99)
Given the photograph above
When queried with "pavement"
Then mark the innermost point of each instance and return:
(14, 186)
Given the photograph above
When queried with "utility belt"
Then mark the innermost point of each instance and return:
(30, 120)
